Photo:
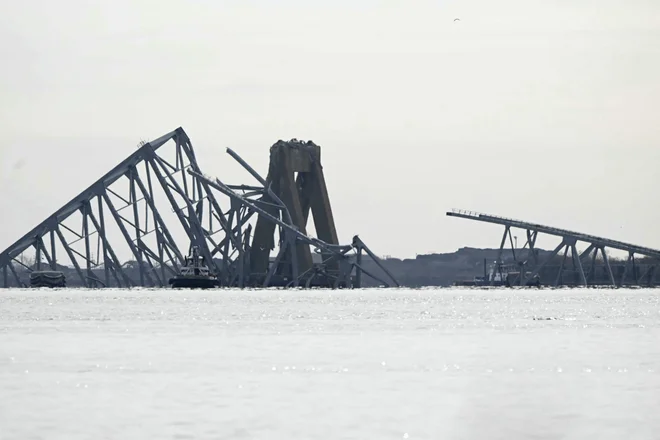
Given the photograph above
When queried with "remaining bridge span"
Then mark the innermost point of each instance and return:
(633, 273)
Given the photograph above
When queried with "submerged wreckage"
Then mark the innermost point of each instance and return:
(158, 199)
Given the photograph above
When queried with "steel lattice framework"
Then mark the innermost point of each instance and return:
(154, 206)
(586, 271)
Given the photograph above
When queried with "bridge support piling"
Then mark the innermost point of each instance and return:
(592, 270)
(576, 257)
(608, 266)
(626, 269)
(561, 267)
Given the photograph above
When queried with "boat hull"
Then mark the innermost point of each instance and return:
(50, 279)
(481, 284)
(193, 282)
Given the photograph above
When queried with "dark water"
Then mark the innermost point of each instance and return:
(395, 364)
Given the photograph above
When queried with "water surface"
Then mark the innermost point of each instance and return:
(364, 364)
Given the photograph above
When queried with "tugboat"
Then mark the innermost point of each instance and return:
(500, 275)
(195, 274)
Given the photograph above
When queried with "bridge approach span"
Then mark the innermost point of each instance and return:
(632, 273)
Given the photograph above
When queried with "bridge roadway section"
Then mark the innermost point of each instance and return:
(568, 243)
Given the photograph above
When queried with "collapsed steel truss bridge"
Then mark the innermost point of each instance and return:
(586, 264)
(157, 204)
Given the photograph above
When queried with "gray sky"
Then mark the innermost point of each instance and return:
(545, 111)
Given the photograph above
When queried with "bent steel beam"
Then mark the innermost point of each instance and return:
(292, 237)
(157, 201)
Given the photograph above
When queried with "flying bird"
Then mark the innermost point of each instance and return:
(457, 19)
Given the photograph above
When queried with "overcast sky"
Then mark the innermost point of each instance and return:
(542, 110)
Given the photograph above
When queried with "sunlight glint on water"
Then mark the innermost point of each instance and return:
(386, 364)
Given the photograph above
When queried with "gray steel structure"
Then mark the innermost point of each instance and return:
(295, 176)
(160, 188)
(529, 269)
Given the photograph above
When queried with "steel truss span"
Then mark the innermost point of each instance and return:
(586, 265)
(134, 226)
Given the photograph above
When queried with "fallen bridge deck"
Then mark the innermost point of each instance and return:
(569, 239)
